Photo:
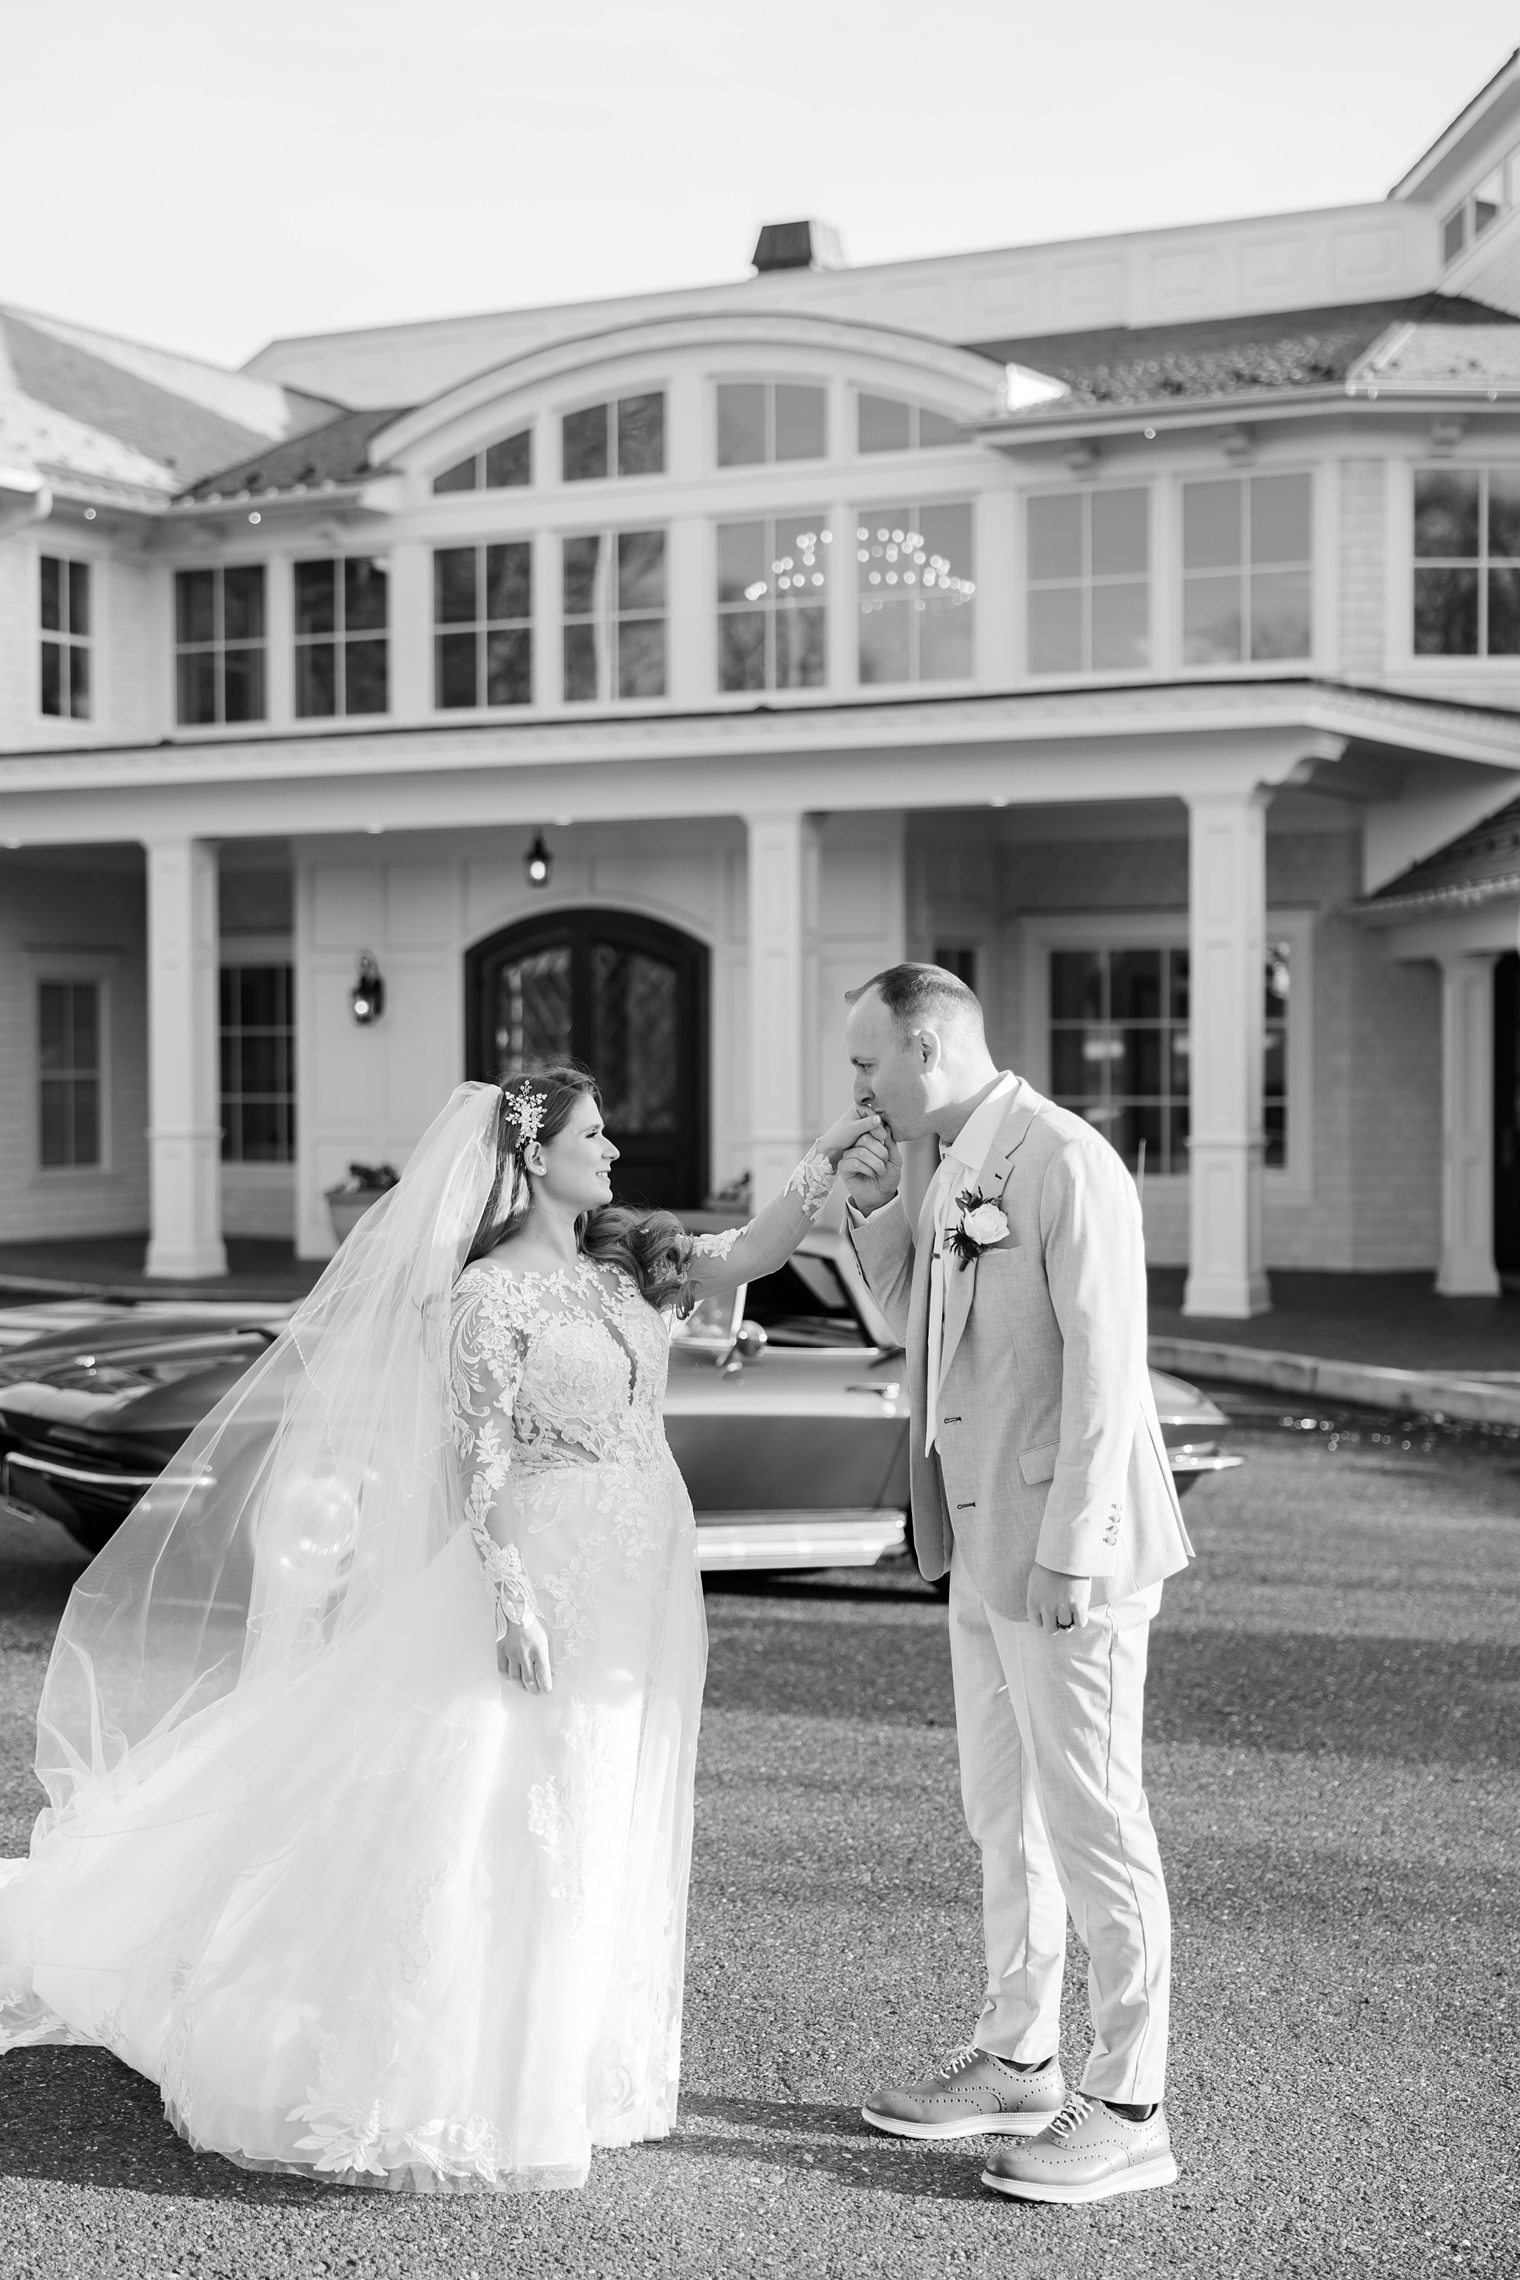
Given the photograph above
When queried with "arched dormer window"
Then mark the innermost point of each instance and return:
(503, 466)
(763, 420)
(623, 437)
(889, 423)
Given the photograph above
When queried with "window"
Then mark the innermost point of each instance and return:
(258, 1065)
(1119, 1049)
(886, 423)
(342, 610)
(1499, 189)
(219, 633)
(958, 959)
(503, 466)
(65, 620)
(624, 437)
(1467, 562)
(761, 420)
(1246, 553)
(614, 616)
(70, 1041)
(772, 629)
(483, 620)
(1089, 596)
(916, 592)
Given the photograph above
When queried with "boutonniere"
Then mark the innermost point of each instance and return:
(981, 1225)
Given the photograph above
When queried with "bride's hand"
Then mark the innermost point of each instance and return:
(845, 1130)
(523, 1654)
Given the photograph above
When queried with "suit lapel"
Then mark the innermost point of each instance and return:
(996, 1171)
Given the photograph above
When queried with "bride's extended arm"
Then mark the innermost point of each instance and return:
(487, 1341)
(743, 1254)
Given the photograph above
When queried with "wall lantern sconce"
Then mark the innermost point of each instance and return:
(538, 863)
(367, 997)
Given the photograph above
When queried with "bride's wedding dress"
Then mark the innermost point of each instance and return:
(377, 1914)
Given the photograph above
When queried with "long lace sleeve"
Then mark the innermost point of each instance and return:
(487, 1345)
(742, 1254)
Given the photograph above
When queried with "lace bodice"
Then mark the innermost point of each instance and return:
(568, 1368)
(575, 1360)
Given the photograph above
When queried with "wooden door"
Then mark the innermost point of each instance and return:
(625, 996)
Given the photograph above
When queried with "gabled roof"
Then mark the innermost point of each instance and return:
(1230, 356)
(118, 410)
(335, 453)
(1481, 865)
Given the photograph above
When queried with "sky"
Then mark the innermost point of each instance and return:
(210, 176)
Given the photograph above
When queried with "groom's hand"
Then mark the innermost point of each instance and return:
(1057, 1602)
(871, 1168)
(845, 1130)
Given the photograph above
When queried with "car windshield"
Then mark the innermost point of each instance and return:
(804, 1303)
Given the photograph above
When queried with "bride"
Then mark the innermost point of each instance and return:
(369, 1738)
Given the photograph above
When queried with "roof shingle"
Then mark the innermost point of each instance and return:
(337, 452)
(1480, 865)
(1226, 356)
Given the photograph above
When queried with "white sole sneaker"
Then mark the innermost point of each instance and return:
(982, 2125)
(1161, 2171)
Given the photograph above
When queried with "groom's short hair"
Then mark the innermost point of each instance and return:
(923, 997)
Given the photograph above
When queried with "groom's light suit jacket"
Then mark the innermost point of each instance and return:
(1047, 1444)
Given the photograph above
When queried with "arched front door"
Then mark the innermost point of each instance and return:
(628, 997)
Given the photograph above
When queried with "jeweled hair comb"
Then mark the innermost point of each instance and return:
(526, 1109)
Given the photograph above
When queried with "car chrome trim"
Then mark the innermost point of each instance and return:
(848, 1536)
(1201, 1461)
(55, 1471)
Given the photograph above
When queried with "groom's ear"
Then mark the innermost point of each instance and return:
(930, 1051)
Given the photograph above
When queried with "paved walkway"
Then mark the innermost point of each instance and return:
(1388, 1321)
(111, 1266)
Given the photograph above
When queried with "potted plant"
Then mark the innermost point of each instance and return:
(348, 1202)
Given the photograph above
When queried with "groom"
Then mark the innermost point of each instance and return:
(1040, 1481)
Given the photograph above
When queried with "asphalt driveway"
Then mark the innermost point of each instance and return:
(1334, 1738)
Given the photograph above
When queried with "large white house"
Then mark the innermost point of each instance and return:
(1132, 623)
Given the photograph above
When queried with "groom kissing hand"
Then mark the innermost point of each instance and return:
(1040, 1484)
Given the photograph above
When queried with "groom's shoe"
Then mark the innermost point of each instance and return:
(1088, 2153)
(974, 2094)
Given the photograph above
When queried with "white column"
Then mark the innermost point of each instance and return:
(1467, 1129)
(184, 1128)
(842, 598)
(411, 631)
(783, 896)
(1227, 926)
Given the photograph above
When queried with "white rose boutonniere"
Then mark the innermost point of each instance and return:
(981, 1224)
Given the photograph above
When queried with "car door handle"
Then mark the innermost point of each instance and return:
(888, 1392)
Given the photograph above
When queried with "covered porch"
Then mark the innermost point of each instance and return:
(804, 850)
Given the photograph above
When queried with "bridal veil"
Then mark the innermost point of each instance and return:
(318, 1490)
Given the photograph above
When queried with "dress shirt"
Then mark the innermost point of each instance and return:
(960, 1166)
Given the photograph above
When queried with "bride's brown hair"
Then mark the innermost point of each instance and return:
(652, 1246)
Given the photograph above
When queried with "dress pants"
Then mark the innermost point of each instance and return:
(1049, 1729)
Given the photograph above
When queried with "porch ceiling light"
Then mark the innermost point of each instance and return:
(367, 997)
(538, 863)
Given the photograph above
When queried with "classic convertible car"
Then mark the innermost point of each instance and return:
(787, 1411)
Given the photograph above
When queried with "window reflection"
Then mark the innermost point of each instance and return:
(772, 616)
(1467, 562)
(916, 592)
(1247, 549)
(1120, 1049)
